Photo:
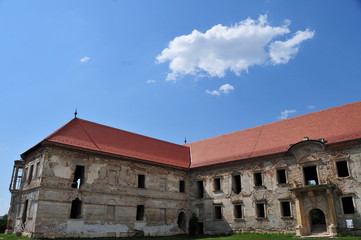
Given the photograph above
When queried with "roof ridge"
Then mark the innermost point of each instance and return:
(133, 133)
(277, 122)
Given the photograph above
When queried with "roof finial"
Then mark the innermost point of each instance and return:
(185, 141)
(76, 112)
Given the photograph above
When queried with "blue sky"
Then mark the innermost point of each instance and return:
(170, 69)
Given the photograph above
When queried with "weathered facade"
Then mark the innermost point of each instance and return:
(89, 180)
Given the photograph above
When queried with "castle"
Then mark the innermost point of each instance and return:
(300, 175)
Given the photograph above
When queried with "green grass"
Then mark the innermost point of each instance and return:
(243, 236)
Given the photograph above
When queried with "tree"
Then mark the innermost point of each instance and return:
(3, 222)
(193, 225)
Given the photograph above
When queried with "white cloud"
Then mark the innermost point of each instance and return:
(150, 81)
(286, 113)
(282, 52)
(224, 89)
(85, 59)
(310, 107)
(235, 48)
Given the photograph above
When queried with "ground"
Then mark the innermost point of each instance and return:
(187, 237)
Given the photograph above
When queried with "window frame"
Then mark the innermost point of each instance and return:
(282, 210)
(278, 176)
(353, 204)
(347, 167)
(217, 184)
(317, 174)
(182, 186)
(238, 205)
(236, 185)
(264, 210)
(141, 181)
(255, 181)
(218, 215)
(140, 210)
(200, 190)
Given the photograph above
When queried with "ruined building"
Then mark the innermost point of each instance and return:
(300, 175)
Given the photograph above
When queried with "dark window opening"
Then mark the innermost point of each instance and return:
(281, 176)
(200, 190)
(342, 169)
(238, 211)
(30, 174)
(75, 209)
(141, 181)
(181, 186)
(182, 221)
(310, 174)
(78, 177)
(260, 211)
(258, 179)
(25, 211)
(286, 209)
(218, 212)
(140, 212)
(200, 228)
(347, 204)
(217, 184)
(236, 183)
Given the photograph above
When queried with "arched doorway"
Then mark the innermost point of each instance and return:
(182, 221)
(317, 221)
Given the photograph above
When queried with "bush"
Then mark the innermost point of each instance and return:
(193, 225)
(3, 222)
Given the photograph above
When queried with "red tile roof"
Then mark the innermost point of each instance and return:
(93, 136)
(337, 124)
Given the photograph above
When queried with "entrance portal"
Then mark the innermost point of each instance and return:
(317, 221)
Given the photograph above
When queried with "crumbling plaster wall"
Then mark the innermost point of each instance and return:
(271, 193)
(107, 182)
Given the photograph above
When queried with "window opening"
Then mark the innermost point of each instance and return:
(200, 190)
(200, 228)
(78, 177)
(347, 205)
(258, 179)
(238, 211)
(342, 169)
(260, 211)
(25, 211)
(286, 209)
(236, 184)
(281, 176)
(181, 186)
(181, 221)
(218, 212)
(310, 174)
(30, 173)
(140, 212)
(217, 184)
(141, 181)
(75, 208)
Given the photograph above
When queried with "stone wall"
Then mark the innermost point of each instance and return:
(271, 194)
(109, 196)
